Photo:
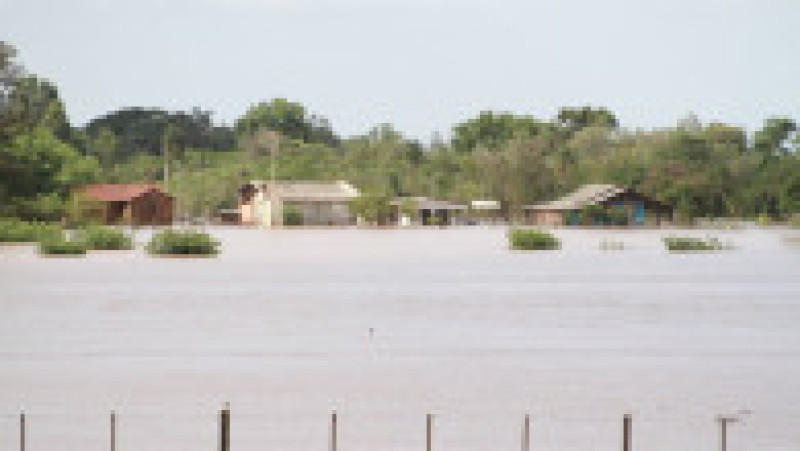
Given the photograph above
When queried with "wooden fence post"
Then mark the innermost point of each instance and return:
(225, 428)
(723, 430)
(429, 432)
(334, 437)
(22, 430)
(526, 433)
(626, 432)
(113, 431)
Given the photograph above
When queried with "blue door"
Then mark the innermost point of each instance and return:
(638, 213)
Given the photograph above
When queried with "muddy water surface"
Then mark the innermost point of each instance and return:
(279, 326)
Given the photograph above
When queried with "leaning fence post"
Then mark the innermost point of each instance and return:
(429, 432)
(113, 431)
(526, 433)
(22, 430)
(225, 428)
(626, 432)
(333, 443)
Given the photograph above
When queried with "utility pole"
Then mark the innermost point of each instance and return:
(165, 138)
(273, 140)
(275, 207)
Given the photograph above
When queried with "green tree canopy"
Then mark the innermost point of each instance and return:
(141, 130)
(574, 119)
(773, 138)
(38, 164)
(34, 102)
(290, 119)
(491, 129)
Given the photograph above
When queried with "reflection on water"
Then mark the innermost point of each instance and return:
(387, 325)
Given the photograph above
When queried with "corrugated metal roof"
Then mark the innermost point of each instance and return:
(583, 196)
(117, 192)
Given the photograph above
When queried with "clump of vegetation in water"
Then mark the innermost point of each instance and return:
(611, 245)
(183, 242)
(105, 238)
(61, 245)
(688, 244)
(598, 215)
(13, 230)
(292, 215)
(532, 240)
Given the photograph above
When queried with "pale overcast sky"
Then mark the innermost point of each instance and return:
(419, 64)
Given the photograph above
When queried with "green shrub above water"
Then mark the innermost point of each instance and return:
(687, 244)
(13, 230)
(182, 242)
(60, 245)
(292, 215)
(106, 238)
(532, 240)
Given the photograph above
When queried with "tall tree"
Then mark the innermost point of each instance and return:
(773, 138)
(104, 147)
(141, 130)
(290, 119)
(491, 130)
(574, 119)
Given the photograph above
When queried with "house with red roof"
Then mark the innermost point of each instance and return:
(134, 204)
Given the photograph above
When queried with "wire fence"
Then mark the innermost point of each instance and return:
(229, 430)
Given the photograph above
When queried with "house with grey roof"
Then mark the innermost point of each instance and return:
(602, 198)
(311, 203)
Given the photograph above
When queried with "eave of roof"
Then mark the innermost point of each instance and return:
(117, 192)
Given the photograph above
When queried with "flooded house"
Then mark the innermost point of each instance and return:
(486, 212)
(133, 204)
(604, 201)
(310, 203)
(408, 211)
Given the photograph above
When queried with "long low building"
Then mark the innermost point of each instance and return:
(275, 204)
(425, 211)
(569, 210)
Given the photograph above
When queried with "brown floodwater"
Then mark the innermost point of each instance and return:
(388, 325)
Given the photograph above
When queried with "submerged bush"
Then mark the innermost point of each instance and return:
(683, 244)
(60, 245)
(292, 215)
(182, 242)
(105, 238)
(611, 245)
(13, 230)
(532, 240)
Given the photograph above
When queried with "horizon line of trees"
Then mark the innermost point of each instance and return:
(712, 169)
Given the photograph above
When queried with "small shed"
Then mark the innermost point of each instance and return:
(134, 204)
(637, 207)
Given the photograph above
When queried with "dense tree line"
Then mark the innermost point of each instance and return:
(712, 169)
